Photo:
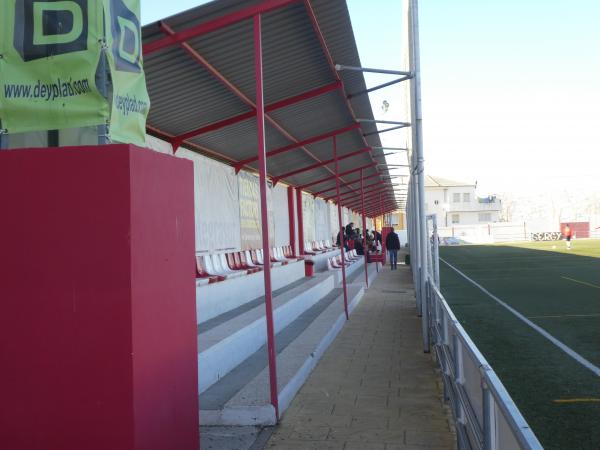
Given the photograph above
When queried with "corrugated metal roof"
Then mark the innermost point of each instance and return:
(185, 96)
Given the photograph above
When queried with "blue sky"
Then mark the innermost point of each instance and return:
(511, 88)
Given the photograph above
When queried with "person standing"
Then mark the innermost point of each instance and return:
(568, 233)
(392, 243)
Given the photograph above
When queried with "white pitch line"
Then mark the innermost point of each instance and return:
(568, 350)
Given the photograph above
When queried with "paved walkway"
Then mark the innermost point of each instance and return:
(374, 389)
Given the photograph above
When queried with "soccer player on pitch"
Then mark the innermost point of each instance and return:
(567, 232)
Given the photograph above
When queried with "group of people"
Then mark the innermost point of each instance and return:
(353, 240)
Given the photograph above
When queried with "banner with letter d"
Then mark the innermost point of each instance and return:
(50, 60)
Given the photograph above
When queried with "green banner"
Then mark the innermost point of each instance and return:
(50, 67)
(130, 101)
(49, 53)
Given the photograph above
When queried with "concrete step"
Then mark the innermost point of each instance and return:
(242, 397)
(227, 340)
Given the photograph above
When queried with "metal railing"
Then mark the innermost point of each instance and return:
(485, 415)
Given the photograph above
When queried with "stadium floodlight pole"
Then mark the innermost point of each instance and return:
(262, 168)
(364, 225)
(341, 225)
(417, 119)
(436, 252)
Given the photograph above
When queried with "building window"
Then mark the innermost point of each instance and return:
(456, 197)
(466, 197)
(436, 202)
(455, 218)
(485, 217)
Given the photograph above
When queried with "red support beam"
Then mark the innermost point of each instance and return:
(178, 140)
(364, 226)
(295, 145)
(245, 99)
(321, 164)
(315, 23)
(215, 24)
(372, 188)
(382, 213)
(316, 194)
(340, 227)
(300, 221)
(333, 177)
(262, 168)
(355, 203)
(292, 218)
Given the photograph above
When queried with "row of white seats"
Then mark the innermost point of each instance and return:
(317, 247)
(335, 262)
(219, 267)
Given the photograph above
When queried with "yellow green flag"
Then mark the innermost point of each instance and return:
(49, 52)
(50, 67)
(130, 101)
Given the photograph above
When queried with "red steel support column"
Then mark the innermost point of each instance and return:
(300, 221)
(341, 226)
(262, 167)
(364, 224)
(292, 218)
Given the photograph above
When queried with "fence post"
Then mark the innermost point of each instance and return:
(488, 416)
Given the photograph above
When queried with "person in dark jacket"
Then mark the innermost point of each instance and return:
(392, 244)
(350, 231)
(343, 237)
(358, 246)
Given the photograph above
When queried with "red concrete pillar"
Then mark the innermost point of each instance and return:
(98, 334)
(300, 221)
(364, 225)
(292, 219)
(341, 226)
(262, 169)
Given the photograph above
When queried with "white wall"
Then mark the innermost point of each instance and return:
(321, 220)
(217, 211)
(440, 201)
(217, 207)
(281, 216)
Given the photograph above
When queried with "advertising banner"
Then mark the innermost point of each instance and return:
(51, 73)
(130, 101)
(49, 52)
(308, 216)
(250, 220)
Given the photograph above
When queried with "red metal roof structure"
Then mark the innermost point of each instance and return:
(200, 70)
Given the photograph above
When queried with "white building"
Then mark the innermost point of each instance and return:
(456, 203)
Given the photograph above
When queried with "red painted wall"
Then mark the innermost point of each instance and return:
(97, 297)
(580, 229)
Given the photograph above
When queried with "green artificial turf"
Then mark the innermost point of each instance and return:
(558, 290)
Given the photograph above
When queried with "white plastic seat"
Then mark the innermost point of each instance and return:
(331, 265)
(249, 261)
(207, 265)
(232, 273)
(338, 259)
(202, 281)
(216, 264)
(308, 248)
(262, 259)
(285, 258)
(278, 255)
